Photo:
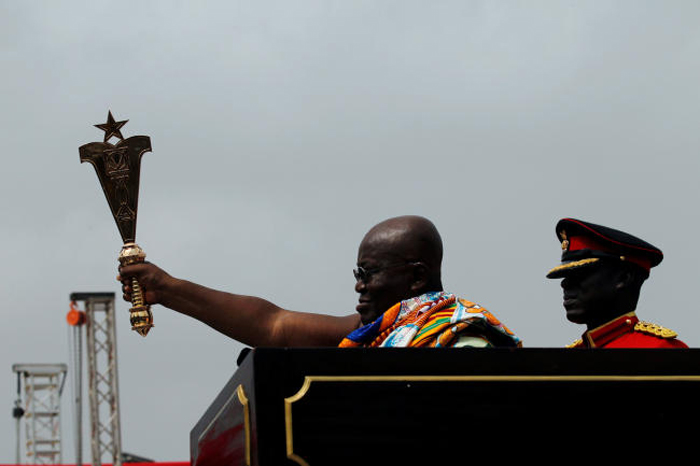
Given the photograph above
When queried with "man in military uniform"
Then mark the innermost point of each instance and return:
(603, 271)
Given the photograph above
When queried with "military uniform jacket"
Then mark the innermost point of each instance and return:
(627, 331)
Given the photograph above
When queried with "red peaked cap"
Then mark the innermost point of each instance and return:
(583, 244)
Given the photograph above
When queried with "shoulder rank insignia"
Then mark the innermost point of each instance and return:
(653, 329)
(575, 344)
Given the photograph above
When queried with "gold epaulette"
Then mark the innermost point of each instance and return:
(653, 329)
(578, 342)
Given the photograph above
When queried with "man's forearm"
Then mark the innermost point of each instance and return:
(248, 319)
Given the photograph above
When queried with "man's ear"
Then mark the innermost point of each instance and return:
(624, 278)
(420, 278)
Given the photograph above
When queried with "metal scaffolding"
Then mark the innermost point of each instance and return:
(103, 383)
(43, 385)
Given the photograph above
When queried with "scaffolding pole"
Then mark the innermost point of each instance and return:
(43, 385)
(103, 384)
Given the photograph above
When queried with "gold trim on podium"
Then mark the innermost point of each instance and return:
(288, 427)
(243, 400)
(246, 420)
(288, 419)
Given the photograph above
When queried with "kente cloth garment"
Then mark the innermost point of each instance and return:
(435, 319)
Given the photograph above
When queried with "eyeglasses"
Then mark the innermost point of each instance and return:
(362, 274)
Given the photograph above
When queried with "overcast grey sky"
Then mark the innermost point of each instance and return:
(282, 131)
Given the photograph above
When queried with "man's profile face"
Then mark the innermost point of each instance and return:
(590, 294)
(385, 287)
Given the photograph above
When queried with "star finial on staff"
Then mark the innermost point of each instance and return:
(112, 128)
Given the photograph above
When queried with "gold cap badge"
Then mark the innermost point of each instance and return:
(564, 241)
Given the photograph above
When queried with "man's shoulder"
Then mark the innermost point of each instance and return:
(648, 335)
(434, 319)
(468, 320)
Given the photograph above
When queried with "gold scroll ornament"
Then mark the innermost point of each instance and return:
(118, 168)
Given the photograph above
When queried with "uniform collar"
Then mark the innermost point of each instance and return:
(601, 336)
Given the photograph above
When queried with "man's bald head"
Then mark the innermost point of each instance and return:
(409, 237)
(402, 257)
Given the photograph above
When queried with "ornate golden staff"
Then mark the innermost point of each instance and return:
(118, 168)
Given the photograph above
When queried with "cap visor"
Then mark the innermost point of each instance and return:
(563, 269)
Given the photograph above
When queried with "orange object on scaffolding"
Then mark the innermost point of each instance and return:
(75, 316)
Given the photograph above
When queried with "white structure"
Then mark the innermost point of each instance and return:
(42, 385)
(103, 385)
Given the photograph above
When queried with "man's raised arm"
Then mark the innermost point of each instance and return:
(248, 319)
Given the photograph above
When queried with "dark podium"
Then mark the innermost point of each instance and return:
(434, 406)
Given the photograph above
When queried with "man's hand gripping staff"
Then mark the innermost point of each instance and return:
(140, 314)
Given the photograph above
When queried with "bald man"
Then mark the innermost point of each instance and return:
(401, 300)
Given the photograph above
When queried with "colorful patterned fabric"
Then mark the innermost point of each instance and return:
(436, 319)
